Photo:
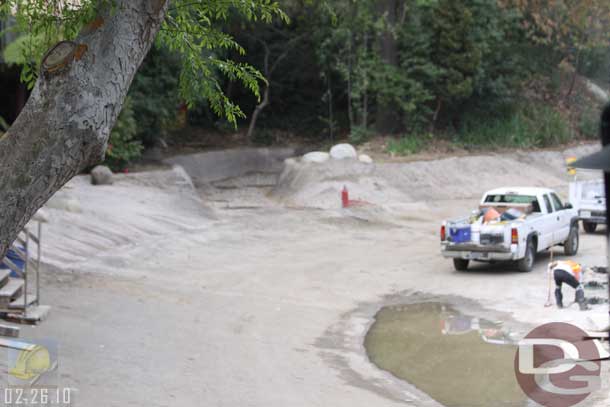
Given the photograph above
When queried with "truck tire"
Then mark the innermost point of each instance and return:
(589, 227)
(461, 264)
(570, 247)
(526, 264)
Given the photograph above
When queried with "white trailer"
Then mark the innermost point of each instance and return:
(589, 200)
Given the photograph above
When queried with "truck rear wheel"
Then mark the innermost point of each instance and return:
(460, 264)
(589, 227)
(570, 247)
(526, 264)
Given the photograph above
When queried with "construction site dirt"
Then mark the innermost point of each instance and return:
(258, 288)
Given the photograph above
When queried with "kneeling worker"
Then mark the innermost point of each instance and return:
(569, 272)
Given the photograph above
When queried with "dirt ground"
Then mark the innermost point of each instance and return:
(168, 295)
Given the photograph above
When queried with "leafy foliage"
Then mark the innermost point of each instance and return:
(407, 145)
(155, 95)
(456, 68)
(122, 146)
(525, 127)
(588, 124)
(194, 30)
(3, 126)
(44, 23)
(450, 54)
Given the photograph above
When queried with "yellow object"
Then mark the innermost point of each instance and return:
(31, 363)
(569, 161)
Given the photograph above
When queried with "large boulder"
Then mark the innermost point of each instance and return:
(101, 175)
(316, 157)
(343, 151)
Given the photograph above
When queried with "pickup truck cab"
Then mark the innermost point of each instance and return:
(530, 221)
(589, 199)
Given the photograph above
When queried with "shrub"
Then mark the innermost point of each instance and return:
(360, 134)
(154, 96)
(122, 148)
(527, 127)
(3, 126)
(263, 137)
(406, 145)
(588, 124)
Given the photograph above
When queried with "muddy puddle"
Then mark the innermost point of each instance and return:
(458, 360)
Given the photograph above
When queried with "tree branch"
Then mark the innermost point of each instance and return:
(67, 120)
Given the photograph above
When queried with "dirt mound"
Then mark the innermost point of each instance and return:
(97, 226)
(212, 166)
(387, 185)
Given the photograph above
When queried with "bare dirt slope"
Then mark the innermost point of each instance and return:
(316, 185)
(268, 305)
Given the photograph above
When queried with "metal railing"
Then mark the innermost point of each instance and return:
(27, 242)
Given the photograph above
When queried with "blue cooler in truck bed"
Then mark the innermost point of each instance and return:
(460, 233)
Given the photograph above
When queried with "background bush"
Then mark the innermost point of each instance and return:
(123, 146)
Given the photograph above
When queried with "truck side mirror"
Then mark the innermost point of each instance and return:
(568, 206)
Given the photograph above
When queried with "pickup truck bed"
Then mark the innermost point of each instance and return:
(542, 221)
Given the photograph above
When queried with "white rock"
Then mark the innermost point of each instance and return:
(41, 216)
(363, 158)
(316, 157)
(343, 151)
(101, 175)
(64, 202)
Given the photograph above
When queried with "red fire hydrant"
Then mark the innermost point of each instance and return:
(345, 197)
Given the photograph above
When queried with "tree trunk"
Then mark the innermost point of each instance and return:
(439, 105)
(263, 104)
(331, 112)
(350, 107)
(365, 96)
(257, 112)
(573, 80)
(386, 122)
(66, 123)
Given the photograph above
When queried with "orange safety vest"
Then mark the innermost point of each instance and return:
(571, 267)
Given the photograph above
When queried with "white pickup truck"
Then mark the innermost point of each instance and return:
(589, 199)
(532, 220)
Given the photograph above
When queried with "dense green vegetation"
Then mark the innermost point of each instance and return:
(494, 73)
(475, 72)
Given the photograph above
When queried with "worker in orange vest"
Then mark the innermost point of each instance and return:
(569, 272)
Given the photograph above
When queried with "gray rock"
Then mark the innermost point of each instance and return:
(343, 151)
(101, 175)
(363, 158)
(316, 157)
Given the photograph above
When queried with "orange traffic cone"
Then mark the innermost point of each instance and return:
(345, 197)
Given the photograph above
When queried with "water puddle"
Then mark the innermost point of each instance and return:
(459, 360)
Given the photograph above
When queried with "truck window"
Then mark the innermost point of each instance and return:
(547, 203)
(536, 206)
(510, 199)
(557, 202)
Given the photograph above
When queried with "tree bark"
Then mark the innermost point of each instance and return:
(65, 125)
